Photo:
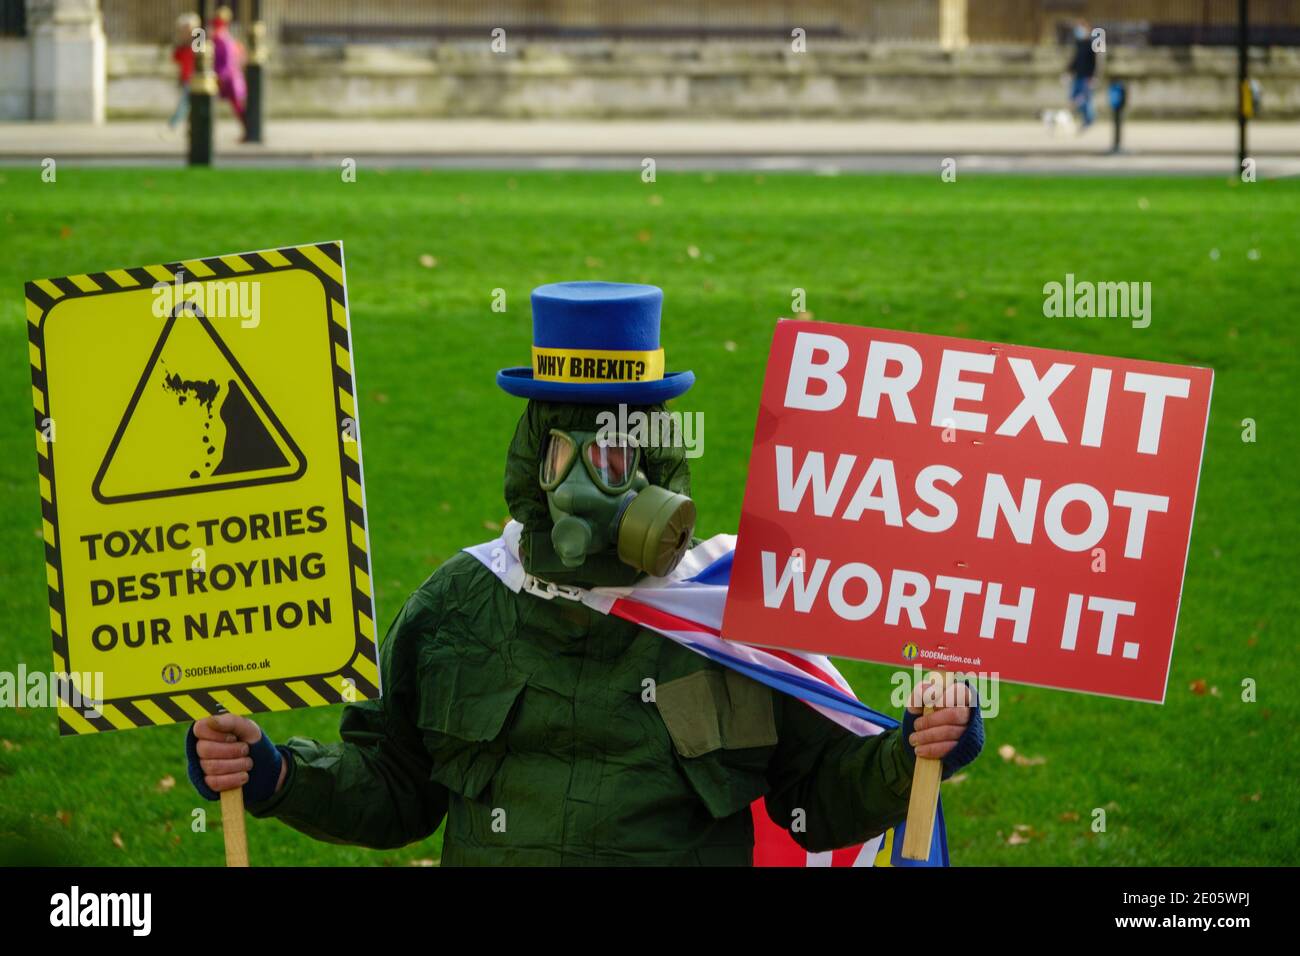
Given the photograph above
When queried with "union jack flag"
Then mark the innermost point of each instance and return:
(686, 607)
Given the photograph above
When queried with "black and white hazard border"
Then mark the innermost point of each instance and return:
(358, 679)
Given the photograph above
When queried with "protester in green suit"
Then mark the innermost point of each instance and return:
(545, 732)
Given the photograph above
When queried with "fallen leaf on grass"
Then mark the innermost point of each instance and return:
(166, 783)
(117, 841)
(957, 778)
(423, 862)
(1198, 687)
(428, 261)
(1069, 816)
(10, 746)
(64, 817)
(1022, 833)
(1008, 753)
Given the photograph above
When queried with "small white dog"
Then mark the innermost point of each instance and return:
(1059, 122)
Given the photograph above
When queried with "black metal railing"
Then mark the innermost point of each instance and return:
(393, 21)
(1128, 22)
(1134, 22)
(13, 18)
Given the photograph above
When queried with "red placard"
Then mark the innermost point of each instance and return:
(918, 499)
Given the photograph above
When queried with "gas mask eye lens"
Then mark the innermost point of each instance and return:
(558, 454)
(613, 461)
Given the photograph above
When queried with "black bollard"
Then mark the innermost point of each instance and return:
(1243, 79)
(203, 90)
(254, 74)
(1118, 100)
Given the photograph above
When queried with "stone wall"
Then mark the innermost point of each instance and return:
(15, 79)
(714, 78)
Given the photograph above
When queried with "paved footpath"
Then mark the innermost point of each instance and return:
(1206, 147)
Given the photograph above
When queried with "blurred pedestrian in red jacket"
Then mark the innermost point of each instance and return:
(183, 55)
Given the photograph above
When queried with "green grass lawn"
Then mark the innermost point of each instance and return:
(1203, 779)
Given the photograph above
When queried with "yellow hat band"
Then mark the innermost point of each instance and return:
(597, 366)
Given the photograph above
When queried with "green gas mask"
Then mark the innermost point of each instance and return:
(601, 501)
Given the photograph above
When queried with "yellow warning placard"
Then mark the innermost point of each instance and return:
(200, 470)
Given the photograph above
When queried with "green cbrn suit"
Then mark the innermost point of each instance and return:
(527, 725)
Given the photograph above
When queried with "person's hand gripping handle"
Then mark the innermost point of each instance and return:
(945, 736)
(231, 759)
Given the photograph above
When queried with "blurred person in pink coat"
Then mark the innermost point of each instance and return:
(228, 64)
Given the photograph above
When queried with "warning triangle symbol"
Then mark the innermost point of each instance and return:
(195, 423)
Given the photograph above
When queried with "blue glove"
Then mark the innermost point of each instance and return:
(262, 779)
(969, 744)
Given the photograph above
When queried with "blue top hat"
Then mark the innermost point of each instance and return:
(597, 343)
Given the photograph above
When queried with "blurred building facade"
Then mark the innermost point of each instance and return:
(677, 58)
(52, 60)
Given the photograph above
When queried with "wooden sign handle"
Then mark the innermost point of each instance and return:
(919, 832)
(232, 825)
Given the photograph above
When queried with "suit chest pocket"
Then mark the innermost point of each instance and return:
(466, 706)
(723, 729)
